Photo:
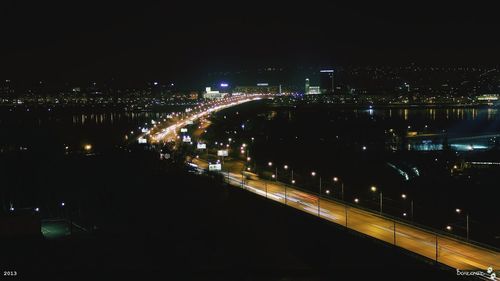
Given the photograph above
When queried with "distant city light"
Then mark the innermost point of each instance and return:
(326, 71)
(224, 84)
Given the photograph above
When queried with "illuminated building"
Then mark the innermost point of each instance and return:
(314, 90)
(326, 81)
(210, 94)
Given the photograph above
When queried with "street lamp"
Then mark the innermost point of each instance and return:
(374, 189)
(336, 179)
(313, 173)
(459, 211)
(404, 196)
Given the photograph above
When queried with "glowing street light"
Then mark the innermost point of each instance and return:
(374, 189)
(459, 211)
(356, 200)
(270, 164)
(449, 228)
(404, 196)
(87, 147)
(335, 180)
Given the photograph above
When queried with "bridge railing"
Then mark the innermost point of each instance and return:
(422, 240)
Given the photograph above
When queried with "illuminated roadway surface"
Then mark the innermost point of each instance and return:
(451, 252)
(169, 132)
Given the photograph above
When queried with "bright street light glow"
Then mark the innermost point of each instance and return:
(313, 174)
(270, 164)
(403, 196)
(458, 210)
(356, 200)
(285, 167)
(335, 179)
(448, 227)
(373, 188)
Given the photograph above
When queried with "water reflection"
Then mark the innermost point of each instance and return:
(112, 117)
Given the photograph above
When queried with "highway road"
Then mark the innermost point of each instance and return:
(167, 131)
(451, 252)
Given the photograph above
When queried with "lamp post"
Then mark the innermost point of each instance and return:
(336, 179)
(458, 211)
(286, 168)
(374, 189)
(404, 196)
(319, 195)
(275, 175)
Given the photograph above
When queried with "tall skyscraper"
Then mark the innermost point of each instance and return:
(307, 86)
(326, 82)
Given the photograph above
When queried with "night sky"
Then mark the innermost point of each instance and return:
(68, 41)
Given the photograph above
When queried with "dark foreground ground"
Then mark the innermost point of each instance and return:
(162, 222)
